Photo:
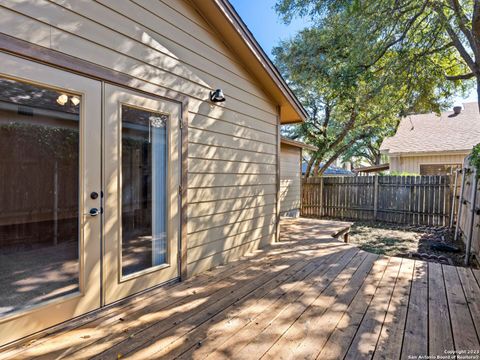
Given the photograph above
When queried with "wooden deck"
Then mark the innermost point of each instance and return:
(309, 297)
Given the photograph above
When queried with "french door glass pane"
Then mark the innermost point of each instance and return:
(144, 169)
(39, 196)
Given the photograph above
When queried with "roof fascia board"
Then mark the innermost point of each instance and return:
(427, 153)
(298, 144)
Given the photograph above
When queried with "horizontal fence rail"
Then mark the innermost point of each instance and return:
(413, 200)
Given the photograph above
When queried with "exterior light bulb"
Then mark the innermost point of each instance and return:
(75, 100)
(62, 99)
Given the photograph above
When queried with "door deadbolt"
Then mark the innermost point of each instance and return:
(93, 195)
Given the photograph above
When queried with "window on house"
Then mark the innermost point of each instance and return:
(439, 169)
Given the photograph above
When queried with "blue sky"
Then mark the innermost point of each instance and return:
(266, 26)
(264, 23)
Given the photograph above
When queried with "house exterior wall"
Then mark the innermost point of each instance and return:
(411, 164)
(169, 49)
(290, 180)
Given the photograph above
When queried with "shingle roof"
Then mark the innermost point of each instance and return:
(331, 170)
(433, 133)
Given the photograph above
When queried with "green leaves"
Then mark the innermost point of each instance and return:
(475, 158)
(364, 64)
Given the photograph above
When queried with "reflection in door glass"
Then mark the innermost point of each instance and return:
(144, 170)
(39, 139)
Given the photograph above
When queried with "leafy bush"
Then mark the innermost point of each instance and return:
(475, 158)
(403, 173)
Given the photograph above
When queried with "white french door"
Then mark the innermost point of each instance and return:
(142, 176)
(50, 181)
(76, 233)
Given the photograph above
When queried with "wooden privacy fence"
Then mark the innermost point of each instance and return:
(468, 219)
(415, 200)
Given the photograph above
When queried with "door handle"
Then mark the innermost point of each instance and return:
(94, 212)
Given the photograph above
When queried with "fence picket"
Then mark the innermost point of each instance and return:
(416, 200)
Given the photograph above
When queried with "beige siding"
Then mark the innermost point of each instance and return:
(411, 164)
(169, 49)
(290, 180)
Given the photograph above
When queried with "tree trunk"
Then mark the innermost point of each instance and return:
(309, 167)
(329, 162)
(332, 159)
(317, 166)
(338, 153)
(477, 76)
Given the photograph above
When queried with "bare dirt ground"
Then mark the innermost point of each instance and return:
(418, 242)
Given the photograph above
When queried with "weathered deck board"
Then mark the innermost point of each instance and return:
(152, 347)
(464, 335)
(207, 337)
(291, 345)
(308, 297)
(246, 346)
(340, 339)
(472, 295)
(415, 340)
(389, 345)
(439, 319)
(363, 344)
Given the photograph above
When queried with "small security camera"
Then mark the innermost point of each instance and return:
(217, 95)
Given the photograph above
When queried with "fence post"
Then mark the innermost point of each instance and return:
(454, 199)
(375, 196)
(321, 198)
(460, 201)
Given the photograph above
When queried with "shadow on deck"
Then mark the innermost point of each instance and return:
(309, 296)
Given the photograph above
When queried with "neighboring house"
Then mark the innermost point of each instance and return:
(122, 168)
(332, 170)
(372, 169)
(428, 144)
(291, 176)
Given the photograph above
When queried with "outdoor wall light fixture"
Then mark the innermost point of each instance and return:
(217, 95)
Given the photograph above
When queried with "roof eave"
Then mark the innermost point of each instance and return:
(427, 152)
(298, 144)
(373, 168)
(242, 41)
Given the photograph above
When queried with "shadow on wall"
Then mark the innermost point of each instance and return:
(232, 146)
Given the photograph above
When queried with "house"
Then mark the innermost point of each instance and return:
(371, 169)
(291, 176)
(332, 170)
(428, 144)
(139, 145)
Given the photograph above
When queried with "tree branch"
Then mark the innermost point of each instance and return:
(476, 25)
(455, 39)
(460, 77)
(392, 43)
(462, 24)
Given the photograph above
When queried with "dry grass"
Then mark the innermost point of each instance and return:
(407, 241)
(384, 241)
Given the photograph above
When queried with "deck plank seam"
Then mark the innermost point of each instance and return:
(365, 256)
(246, 284)
(388, 307)
(468, 306)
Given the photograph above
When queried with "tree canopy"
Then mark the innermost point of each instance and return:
(364, 64)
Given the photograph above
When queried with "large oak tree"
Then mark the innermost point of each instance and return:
(363, 64)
